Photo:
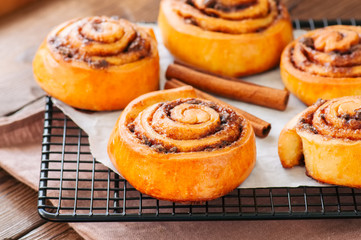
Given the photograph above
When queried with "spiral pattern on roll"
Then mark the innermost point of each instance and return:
(337, 118)
(187, 125)
(228, 16)
(101, 41)
(333, 51)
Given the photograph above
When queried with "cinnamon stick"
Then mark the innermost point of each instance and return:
(246, 92)
(260, 127)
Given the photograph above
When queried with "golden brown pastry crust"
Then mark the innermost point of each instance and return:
(231, 38)
(173, 146)
(330, 132)
(324, 63)
(97, 63)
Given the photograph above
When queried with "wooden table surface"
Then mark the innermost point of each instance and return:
(18, 212)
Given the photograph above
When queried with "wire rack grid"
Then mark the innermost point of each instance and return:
(75, 187)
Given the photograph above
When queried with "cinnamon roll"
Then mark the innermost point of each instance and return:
(97, 63)
(173, 146)
(226, 37)
(324, 63)
(327, 135)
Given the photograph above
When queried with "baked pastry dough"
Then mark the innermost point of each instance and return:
(98, 63)
(173, 146)
(226, 37)
(324, 63)
(328, 136)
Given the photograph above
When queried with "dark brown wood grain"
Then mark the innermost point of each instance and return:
(18, 213)
(318, 9)
(22, 31)
(19, 217)
(52, 230)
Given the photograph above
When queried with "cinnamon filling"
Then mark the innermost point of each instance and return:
(352, 121)
(338, 118)
(100, 42)
(187, 125)
(331, 52)
(228, 16)
(225, 8)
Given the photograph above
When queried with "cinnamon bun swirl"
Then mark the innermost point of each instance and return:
(173, 146)
(324, 63)
(97, 63)
(226, 37)
(328, 136)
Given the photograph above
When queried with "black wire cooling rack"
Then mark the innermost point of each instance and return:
(75, 187)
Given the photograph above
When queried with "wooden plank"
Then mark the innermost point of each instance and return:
(318, 9)
(19, 217)
(10, 5)
(52, 230)
(18, 213)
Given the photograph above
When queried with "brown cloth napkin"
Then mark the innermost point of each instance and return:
(20, 153)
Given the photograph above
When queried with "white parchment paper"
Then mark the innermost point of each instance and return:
(268, 171)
